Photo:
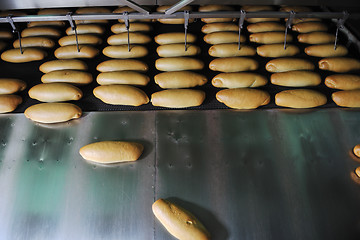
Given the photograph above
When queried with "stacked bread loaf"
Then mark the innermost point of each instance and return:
(163, 8)
(8, 100)
(120, 77)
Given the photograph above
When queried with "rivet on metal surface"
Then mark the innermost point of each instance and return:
(127, 26)
(15, 30)
(288, 25)
(340, 25)
(73, 27)
(241, 23)
(186, 24)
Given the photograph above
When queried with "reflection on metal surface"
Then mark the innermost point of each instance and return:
(267, 174)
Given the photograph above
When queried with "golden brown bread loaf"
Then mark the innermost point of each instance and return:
(67, 76)
(316, 38)
(288, 64)
(82, 39)
(179, 222)
(117, 94)
(174, 37)
(326, 50)
(121, 65)
(174, 20)
(122, 77)
(134, 38)
(177, 50)
(71, 64)
(179, 79)
(53, 11)
(265, 27)
(46, 24)
(219, 27)
(270, 37)
(231, 50)
(243, 98)
(348, 98)
(214, 8)
(238, 80)
(71, 51)
(356, 150)
(258, 20)
(11, 85)
(178, 98)
(55, 92)
(34, 42)
(133, 27)
(233, 64)
(9, 103)
(40, 31)
(300, 98)
(296, 79)
(306, 27)
(121, 51)
(223, 37)
(339, 64)
(29, 54)
(86, 29)
(295, 9)
(277, 50)
(108, 152)
(178, 64)
(53, 112)
(343, 81)
(217, 20)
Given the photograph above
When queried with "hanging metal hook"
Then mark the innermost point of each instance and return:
(241, 23)
(340, 25)
(15, 30)
(186, 24)
(127, 26)
(288, 25)
(73, 27)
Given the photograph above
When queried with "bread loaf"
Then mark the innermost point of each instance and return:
(67, 76)
(86, 29)
(108, 152)
(356, 150)
(300, 98)
(71, 51)
(265, 27)
(217, 20)
(326, 50)
(223, 37)
(239, 80)
(133, 27)
(134, 38)
(46, 24)
(29, 54)
(231, 50)
(178, 98)
(306, 27)
(121, 65)
(295, 9)
(40, 31)
(66, 64)
(339, 64)
(174, 37)
(53, 11)
(349, 98)
(177, 50)
(53, 112)
(243, 98)
(6, 34)
(178, 64)
(179, 222)
(257, 8)
(121, 51)
(55, 92)
(215, 8)
(179, 79)
(288, 64)
(277, 50)
(300, 20)
(11, 85)
(121, 95)
(122, 77)
(258, 20)
(343, 81)
(219, 27)
(270, 37)
(94, 21)
(316, 38)
(34, 42)
(9, 103)
(174, 20)
(233, 64)
(82, 39)
(296, 79)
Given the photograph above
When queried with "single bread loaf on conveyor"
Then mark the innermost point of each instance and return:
(348, 98)
(123, 77)
(339, 64)
(288, 64)
(300, 98)
(233, 64)
(55, 92)
(11, 85)
(9, 103)
(296, 79)
(178, 64)
(66, 64)
(231, 50)
(178, 98)
(223, 37)
(243, 98)
(53, 112)
(277, 50)
(179, 79)
(29, 54)
(239, 80)
(71, 51)
(343, 81)
(67, 76)
(117, 94)
(174, 37)
(121, 65)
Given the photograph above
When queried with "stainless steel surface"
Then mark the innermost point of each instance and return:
(264, 174)
(178, 6)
